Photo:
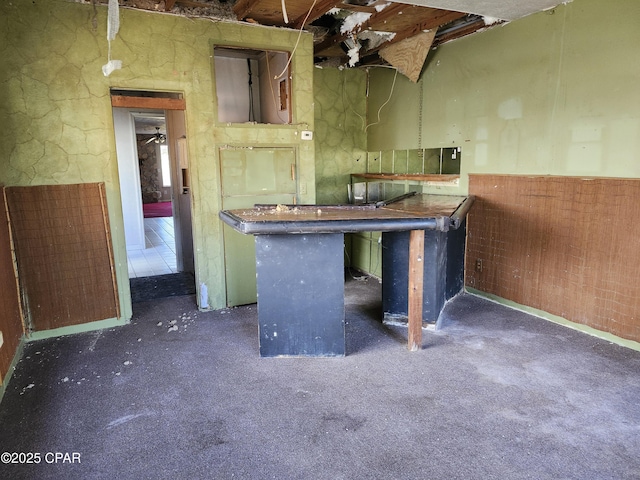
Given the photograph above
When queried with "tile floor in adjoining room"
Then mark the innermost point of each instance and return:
(159, 258)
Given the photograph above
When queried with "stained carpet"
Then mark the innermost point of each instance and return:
(179, 393)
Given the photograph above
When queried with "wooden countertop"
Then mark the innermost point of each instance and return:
(419, 212)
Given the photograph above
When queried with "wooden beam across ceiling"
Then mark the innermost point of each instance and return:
(441, 17)
(467, 28)
(243, 8)
(271, 12)
(168, 5)
(319, 9)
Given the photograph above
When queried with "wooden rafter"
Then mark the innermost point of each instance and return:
(321, 8)
(387, 21)
(384, 15)
(376, 18)
(243, 8)
(447, 16)
(467, 29)
(187, 3)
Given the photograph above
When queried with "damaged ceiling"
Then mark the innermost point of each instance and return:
(361, 32)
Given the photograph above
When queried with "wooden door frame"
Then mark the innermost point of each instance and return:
(165, 104)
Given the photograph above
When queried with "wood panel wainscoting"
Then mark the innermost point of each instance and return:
(64, 255)
(568, 246)
(11, 328)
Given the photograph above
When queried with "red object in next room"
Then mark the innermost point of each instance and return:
(159, 209)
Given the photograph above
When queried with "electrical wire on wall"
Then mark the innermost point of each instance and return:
(393, 85)
(295, 47)
(252, 115)
(365, 127)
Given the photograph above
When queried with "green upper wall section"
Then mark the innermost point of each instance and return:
(58, 123)
(393, 111)
(554, 93)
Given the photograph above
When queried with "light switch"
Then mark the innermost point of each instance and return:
(306, 135)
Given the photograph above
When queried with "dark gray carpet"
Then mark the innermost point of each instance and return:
(496, 394)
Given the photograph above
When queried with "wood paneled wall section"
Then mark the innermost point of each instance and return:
(10, 319)
(64, 255)
(565, 245)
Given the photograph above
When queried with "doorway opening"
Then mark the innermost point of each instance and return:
(153, 169)
(158, 254)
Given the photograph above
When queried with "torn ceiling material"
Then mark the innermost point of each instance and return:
(354, 31)
(379, 28)
(408, 56)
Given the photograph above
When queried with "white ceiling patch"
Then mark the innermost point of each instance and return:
(353, 21)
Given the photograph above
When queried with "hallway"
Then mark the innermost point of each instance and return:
(159, 258)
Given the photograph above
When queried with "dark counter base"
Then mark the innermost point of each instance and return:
(443, 272)
(301, 295)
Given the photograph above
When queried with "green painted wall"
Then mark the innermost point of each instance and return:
(394, 114)
(56, 111)
(553, 93)
(340, 138)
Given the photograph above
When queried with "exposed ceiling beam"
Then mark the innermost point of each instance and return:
(339, 38)
(457, 32)
(321, 8)
(442, 18)
(428, 20)
(243, 8)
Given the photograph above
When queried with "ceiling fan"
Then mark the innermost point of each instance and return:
(157, 137)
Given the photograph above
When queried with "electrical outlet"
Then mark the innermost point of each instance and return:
(479, 264)
(303, 188)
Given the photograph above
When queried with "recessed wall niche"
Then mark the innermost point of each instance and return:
(249, 85)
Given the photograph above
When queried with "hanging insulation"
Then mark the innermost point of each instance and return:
(113, 25)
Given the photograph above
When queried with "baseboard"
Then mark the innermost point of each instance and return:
(16, 358)
(80, 328)
(609, 337)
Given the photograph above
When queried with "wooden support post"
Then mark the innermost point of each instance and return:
(416, 276)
